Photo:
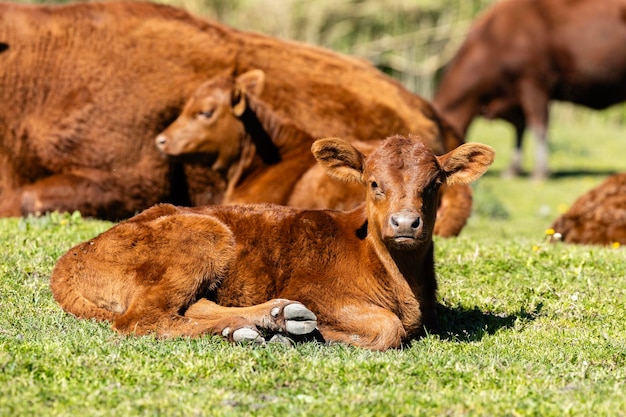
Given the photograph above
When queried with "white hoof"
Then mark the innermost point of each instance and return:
(299, 320)
(247, 335)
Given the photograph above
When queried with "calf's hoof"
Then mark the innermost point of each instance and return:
(297, 319)
(243, 335)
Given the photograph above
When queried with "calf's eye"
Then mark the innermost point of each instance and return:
(378, 192)
(206, 114)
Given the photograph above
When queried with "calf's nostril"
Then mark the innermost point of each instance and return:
(161, 140)
(394, 222)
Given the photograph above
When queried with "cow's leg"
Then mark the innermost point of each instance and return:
(541, 171)
(515, 167)
(9, 202)
(535, 103)
(9, 187)
(95, 193)
(57, 192)
(370, 327)
(253, 322)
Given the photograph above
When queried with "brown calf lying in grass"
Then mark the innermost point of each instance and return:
(597, 217)
(266, 158)
(363, 277)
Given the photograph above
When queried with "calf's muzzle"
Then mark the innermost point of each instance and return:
(161, 141)
(405, 225)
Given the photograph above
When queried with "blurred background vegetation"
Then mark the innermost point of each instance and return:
(411, 40)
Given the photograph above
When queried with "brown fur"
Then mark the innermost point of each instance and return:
(85, 88)
(226, 119)
(598, 216)
(521, 54)
(366, 276)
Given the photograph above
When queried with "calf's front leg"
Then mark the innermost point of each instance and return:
(252, 323)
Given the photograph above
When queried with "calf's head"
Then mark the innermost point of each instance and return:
(402, 177)
(209, 121)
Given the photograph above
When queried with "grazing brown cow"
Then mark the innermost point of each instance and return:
(85, 88)
(597, 217)
(265, 158)
(364, 277)
(521, 54)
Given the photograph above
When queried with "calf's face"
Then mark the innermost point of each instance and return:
(402, 178)
(209, 121)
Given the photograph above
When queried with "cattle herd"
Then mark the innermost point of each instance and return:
(235, 217)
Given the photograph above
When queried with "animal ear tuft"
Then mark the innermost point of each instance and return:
(251, 82)
(339, 159)
(238, 101)
(466, 163)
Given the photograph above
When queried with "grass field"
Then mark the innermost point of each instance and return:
(528, 328)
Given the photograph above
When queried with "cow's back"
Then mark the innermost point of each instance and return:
(77, 80)
(574, 47)
(587, 40)
(336, 95)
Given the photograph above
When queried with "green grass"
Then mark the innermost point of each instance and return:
(529, 328)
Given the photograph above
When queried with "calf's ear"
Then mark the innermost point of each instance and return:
(339, 159)
(251, 82)
(466, 163)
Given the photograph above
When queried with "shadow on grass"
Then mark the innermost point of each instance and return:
(572, 173)
(584, 173)
(455, 324)
(469, 325)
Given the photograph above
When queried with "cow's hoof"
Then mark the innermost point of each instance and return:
(31, 204)
(298, 319)
(540, 175)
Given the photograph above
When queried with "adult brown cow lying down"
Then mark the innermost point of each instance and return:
(521, 54)
(363, 277)
(85, 88)
(597, 217)
(265, 158)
